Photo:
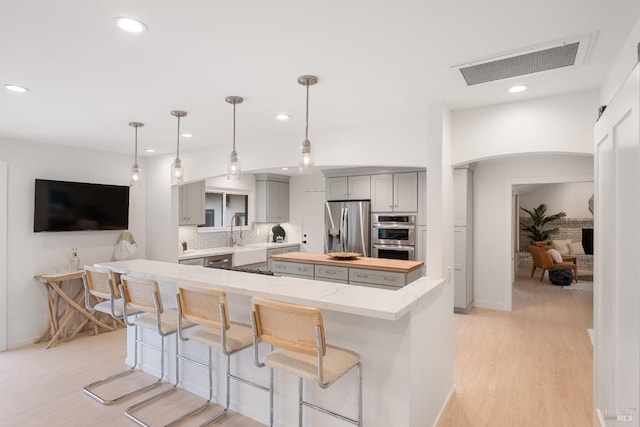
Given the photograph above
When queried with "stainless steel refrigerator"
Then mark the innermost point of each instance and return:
(347, 227)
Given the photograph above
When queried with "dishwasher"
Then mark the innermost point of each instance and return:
(215, 261)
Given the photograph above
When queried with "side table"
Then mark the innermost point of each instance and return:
(67, 313)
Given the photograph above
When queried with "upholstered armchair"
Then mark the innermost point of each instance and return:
(543, 261)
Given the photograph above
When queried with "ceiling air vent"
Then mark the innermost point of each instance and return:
(564, 53)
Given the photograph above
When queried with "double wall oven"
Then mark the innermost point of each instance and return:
(393, 235)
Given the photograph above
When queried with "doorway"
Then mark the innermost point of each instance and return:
(571, 197)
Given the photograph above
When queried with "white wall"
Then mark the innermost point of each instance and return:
(3, 254)
(32, 253)
(558, 124)
(493, 181)
(622, 66)
(572, 198)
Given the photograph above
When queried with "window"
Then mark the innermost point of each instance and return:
(221, 207)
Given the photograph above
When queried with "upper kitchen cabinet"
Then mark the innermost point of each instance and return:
(397, 192)
(349, 188)
(272, 198)
(191, 203)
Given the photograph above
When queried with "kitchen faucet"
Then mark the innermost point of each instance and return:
(236, 216)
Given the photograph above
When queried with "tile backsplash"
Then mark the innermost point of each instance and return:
(259, 233)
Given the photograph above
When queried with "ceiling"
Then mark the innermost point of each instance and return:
(376, 61)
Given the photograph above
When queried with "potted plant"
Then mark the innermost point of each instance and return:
(540, 219)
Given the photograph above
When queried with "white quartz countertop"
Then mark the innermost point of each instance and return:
(200, 253)
(359, 300)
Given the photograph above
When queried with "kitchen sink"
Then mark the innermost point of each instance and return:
(243, 255)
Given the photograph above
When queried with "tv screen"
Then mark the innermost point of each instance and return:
(74, 206)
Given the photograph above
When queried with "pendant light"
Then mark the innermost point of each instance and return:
(136, 172)
(233, 166)
(306, 154)
(177, 171)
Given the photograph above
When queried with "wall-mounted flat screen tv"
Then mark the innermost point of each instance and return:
(75, 206)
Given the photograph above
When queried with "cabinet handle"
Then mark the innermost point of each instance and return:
(281, 267)
(390, 279)
(363, 276)
(391, 206)
(302, 269)
(331, 272)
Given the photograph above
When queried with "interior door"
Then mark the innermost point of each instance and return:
(313, 228)
(616, 254)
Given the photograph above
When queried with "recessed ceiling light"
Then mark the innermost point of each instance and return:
(285, 169)
(150, 150)
(187, 135)
(16, 88)
(131, 25)
(518, 88)
(283, 116)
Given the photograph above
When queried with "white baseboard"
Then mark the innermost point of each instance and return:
(445, 406)
(490, 305)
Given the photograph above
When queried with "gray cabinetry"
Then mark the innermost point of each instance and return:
(293, 269)
(272, 198)
(347, 275)
(330, 273)
(191, 203)
(397, 192)
(278, 251)
(463, 239)
(349, 188)
(192, 261)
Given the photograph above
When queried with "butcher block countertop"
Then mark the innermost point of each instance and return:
(384, 264)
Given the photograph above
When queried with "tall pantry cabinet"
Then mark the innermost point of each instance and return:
(463, 239)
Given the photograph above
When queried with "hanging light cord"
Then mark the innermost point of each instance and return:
(136, 147)
(306, 129)
(178, 136)
(234, 126)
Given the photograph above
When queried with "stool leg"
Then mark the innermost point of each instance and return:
(228, 379)
(359, 373)
(271, 398)
(299, 401)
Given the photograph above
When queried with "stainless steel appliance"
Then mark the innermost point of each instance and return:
(393, 236)
(393, 252)
(215, 261)
(347, 227)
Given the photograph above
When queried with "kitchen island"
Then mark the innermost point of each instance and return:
(404, 338)
(382, 273)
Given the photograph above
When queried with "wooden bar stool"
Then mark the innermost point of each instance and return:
(100, 282)
(207, 308)
(143, 295)
(297, 336)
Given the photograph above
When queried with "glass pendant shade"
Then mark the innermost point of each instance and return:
(136, 172)
(305, 163)
(136, 175)
(177, 171)
(233, 165)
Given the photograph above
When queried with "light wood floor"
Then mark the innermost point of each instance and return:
(530, 367)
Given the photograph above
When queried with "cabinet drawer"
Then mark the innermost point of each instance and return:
(330, 272)
(377, 277)
(293, 268)
(325, 279)
(192, 261)
(288, 249)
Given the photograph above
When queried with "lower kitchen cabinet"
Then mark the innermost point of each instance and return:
(330, 273)
(293, 269)
(347, 275)
(192, 261)
(279, 251)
